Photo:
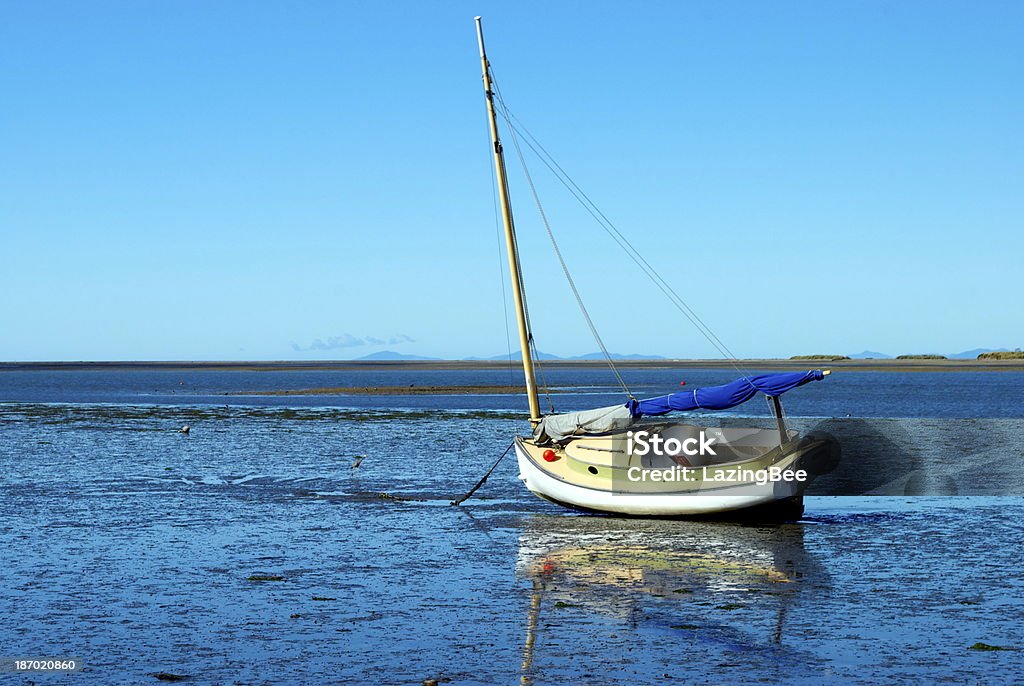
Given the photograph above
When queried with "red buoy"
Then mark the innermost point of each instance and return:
(550, 455)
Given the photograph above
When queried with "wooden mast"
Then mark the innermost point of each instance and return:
(510, 235)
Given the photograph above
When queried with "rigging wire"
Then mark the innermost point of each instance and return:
(539, 368)
(531, 345)
(620, 239)
(554, 243)
(501, 269)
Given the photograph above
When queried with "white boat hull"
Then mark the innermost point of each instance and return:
(721, 498)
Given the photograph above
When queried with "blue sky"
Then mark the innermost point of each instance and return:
(195, 180)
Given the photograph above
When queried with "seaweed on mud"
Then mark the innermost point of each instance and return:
(986, 647)
(50, 413)
(397, 498)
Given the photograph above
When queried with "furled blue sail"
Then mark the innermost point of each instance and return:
(726, 396)
(558, 428)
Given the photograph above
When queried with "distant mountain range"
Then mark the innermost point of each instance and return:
(871, 355)
(973, 354)
(617, 356)
(390, 355)
(588, 356)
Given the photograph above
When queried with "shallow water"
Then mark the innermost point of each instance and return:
(131, 546)
(845, 393)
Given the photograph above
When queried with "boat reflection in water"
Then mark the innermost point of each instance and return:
(716, 588)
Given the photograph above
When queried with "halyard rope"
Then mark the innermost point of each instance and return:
(554, 244)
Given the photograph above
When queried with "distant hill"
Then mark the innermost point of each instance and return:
(588, 356)
(871, 355)
(390, 355)
(921, 357)
(973, 354)
(616, 356)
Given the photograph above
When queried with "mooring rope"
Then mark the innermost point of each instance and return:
(470, 492)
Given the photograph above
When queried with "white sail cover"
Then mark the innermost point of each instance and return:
(559, 427)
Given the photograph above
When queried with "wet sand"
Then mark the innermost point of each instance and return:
(251, 551)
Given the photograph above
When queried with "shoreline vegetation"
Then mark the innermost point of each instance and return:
(1009, 355)
(1002, 361)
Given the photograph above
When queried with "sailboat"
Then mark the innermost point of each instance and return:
(601, 461)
